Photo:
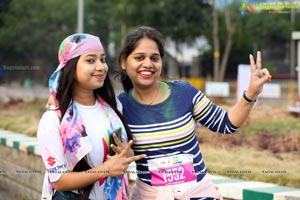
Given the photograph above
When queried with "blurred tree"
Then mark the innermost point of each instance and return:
(97, 18)
(230, 30)
(4, 5)
(219, 69)
(253, 31)
(98, 21)
(181, 21)
(296, 26)
(31, 32)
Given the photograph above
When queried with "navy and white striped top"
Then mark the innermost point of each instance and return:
(168, 128)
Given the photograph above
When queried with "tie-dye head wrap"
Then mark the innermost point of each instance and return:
(71, 47)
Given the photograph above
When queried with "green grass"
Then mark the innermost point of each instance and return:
(251, 164)
(274, 127)
(22, 117)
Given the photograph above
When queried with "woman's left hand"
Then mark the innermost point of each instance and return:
(258, 77)
(120, 146)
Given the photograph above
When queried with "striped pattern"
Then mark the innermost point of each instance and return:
(168, 128)
(163, 135)
(210, 115)
(19, 141)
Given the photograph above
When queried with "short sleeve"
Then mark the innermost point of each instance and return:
(51, 146)
(119, 106)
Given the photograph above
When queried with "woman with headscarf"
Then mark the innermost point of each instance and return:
(74, 134)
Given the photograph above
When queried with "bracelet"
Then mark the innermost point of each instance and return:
(247, 99)
(106, 168)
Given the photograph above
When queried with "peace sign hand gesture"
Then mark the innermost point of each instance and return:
(258, 77)
(117, 164)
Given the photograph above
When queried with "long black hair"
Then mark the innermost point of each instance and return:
(130, 43)
(64, 97)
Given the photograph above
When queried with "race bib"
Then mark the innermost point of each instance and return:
(172, 170)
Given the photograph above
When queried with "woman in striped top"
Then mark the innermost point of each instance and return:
(162, 116)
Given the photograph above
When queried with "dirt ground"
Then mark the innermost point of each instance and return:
(267, 127)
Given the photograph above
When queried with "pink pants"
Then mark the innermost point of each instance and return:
(204, 188)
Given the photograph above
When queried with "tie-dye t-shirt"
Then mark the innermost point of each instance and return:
(168, 129)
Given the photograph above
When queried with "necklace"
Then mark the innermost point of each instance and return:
(135, 95)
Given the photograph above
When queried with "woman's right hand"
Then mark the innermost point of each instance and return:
(118, 163)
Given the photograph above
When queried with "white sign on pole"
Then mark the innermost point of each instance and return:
(243, 79)
(271, 90)
(217, 89)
